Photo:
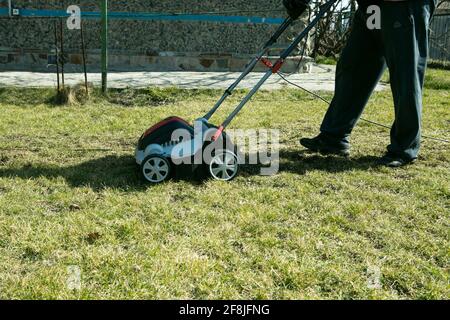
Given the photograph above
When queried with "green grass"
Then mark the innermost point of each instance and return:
(70, 196)
(439, 64)
(326, 60)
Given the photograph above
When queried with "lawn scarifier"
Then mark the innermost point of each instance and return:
(160, 149)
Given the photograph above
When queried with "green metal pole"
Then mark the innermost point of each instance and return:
(104, 45)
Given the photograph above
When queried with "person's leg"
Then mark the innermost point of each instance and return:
(358, 71)
(405, 27)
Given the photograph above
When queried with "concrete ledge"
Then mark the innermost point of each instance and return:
(35, 61)
(321, 78)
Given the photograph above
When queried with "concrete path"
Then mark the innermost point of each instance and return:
(321, 77)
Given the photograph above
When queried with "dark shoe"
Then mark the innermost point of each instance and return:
(393, 161)
(317, 144)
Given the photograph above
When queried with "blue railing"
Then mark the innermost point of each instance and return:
(146, 16)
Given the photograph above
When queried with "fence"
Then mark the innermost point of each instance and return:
(331, 35)
(440, 38)
(144, 35)
(197, 35)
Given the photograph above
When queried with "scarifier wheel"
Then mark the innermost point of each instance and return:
(156, 169)
(224, 165)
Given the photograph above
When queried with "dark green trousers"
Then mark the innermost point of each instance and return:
(402, 46)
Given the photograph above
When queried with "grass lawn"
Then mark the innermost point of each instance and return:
(324, 227)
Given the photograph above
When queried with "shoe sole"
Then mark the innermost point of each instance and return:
(342, 153)
(399, 164)
(394, 164)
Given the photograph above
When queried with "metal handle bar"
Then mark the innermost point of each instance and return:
(276, 66)
(250, 66)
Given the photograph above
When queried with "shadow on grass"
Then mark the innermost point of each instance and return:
(30, 97)
(110, 171)
(125, 97)
(121, 171)
(301, 162)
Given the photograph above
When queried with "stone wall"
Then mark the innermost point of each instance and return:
(25, 36)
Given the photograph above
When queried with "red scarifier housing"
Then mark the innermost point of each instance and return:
(162, 132)
(163, 123)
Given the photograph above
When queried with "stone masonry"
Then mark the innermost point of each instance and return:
(25, 42)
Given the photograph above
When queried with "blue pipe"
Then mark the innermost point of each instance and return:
(145, 16)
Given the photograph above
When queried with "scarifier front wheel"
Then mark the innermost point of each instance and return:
(224, 165)
(156, 169)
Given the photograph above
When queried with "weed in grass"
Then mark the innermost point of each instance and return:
(326, 60)
(143, 97)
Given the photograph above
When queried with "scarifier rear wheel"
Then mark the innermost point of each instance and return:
(156, 169)
(224, 165)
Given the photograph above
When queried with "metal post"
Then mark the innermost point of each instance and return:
(9, 8)
(84, 58)
(104, 46)
(61, 31)
(57, 53)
